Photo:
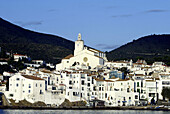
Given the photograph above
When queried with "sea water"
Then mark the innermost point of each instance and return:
(9, 111)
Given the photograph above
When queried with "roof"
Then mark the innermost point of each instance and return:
(32, 77)
(19, 55)
(96, 50)
(150, 80)
(68, 57)
(103, 80)
(123, 80)
(46, 71)
(165, 74)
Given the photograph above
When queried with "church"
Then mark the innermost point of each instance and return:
(83, 57)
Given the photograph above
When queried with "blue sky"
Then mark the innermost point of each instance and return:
(104, 24)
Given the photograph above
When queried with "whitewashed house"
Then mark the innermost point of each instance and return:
(26, 87)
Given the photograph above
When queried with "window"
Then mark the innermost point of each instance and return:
(82, 82)
(17, 79)
(138, 90)
(70, 82)
(137, 84)
(136, 96)
(141, 84)
(121, 89)
(129, 98)
(128, 90)
(121, 83)
(82, 88)
(75, 94)
(70, 87)
(82, 76)
(88, 84)
(41, 92)
(29, 91)
(53, 88)
(40, 85)
(29, 86)
(11, 95)
(88, 79)
(17, 85)
(105, 95)
(36, 84)
(88, 94)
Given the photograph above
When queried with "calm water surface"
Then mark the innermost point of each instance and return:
(81, 112)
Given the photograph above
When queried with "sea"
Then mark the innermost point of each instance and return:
(9, 111)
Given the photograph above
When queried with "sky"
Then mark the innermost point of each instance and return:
(104, 24)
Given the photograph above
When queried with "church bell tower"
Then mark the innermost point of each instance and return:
(79, 45)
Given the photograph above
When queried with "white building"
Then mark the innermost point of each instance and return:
(83, 56)
(19, 56)
(26, 87)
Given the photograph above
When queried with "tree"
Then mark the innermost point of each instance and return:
(166, 92)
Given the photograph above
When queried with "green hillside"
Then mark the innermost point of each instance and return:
(151, 48)
(37, 45)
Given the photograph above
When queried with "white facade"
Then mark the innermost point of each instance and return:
(19, 56)
(83, 56)
(26, 87)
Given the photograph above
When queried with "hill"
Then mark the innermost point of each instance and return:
(37, 45)
(151, 48)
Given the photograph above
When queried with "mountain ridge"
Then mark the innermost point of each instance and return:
(14, 35)
(147, 47)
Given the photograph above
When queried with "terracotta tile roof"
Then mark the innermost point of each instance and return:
(165, 74)
(32, 77)
(62, 84)
(123, 80)
(108, 80)
(157, 79)
(150, 80)
(19, 55)
(46, 71)
(103, 80)
(96, 50)
(68, 57)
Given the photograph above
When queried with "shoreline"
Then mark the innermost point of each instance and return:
(82, 108)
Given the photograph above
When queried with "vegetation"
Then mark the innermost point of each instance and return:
(166, 92)
(53, 48)
(151, 48)
(37, 45)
